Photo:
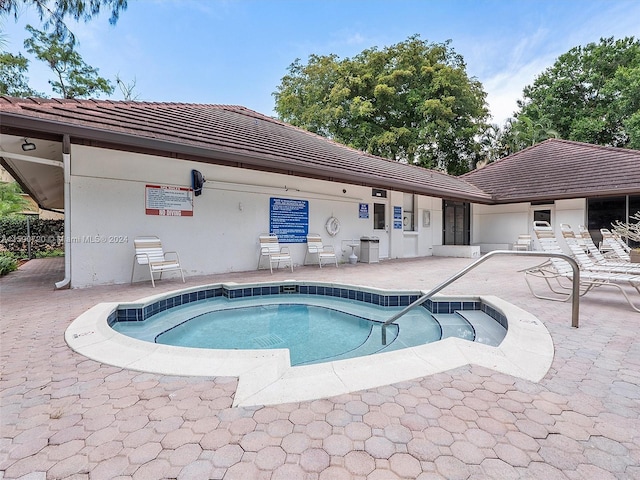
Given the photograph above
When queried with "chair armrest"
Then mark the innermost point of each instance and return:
(142, 255)
(172, 253)
(285, 250)
(329, 249)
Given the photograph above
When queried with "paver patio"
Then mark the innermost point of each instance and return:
(65, 416)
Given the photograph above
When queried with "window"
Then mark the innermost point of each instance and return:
(602, 212)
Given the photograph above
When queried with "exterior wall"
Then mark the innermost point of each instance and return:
(501, 224)
(108, 212)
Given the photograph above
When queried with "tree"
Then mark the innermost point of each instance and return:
(54, 13)
(411, 102)
(13, 79)
(11, 202)
(127, 89)
(590, 94)
(75, 79)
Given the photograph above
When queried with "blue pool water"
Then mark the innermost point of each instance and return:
(315, 328)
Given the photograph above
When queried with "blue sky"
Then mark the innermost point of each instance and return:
(236, 51)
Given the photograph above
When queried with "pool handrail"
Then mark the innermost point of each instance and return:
(575, 295)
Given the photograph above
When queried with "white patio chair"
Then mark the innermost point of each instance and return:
(270, 248)
(586, 263)
(316, 247)
(523, 243)
(556, 270)
(615, 243)
(149, 252)
(595, 253)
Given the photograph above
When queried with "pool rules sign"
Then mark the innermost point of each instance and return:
(166, 200)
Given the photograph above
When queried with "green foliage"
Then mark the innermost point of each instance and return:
(11, 202)
(53, 14)
(7, 264)
(75, 79)
(591, 94)
(411, 102)
(13, 79)
(45, 235)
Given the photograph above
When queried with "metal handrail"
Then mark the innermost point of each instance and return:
(575, 303)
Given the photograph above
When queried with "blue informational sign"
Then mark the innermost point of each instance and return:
(364, 210)
(397, 218)
(289, 219)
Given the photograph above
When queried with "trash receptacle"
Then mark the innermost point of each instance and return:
(369, 249)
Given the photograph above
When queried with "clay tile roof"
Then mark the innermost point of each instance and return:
(226, 133)
(557, 169)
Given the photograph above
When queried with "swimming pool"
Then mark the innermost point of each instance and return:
(324, 325)
(430, 338)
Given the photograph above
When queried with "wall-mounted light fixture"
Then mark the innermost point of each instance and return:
(197, 182)
(28, 146)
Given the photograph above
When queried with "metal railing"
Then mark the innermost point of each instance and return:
(575, 295)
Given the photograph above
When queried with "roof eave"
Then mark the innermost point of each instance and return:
(214, 155)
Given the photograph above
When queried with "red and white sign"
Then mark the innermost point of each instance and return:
(166, 200)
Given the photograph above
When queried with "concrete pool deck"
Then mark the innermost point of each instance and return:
(65, 416)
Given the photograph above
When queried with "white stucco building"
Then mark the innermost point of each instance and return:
(124, 169)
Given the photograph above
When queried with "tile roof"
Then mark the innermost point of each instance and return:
(228, 134)
(557, 169)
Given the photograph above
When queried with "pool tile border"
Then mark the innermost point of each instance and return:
(128, 313)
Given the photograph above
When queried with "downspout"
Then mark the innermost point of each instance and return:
(66, 165)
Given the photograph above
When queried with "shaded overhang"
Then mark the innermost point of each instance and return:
(39, 172)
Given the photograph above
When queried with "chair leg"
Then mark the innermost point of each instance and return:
(182, 273)
(133, 269)
(153, 283)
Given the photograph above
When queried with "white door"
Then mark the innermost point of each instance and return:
(381, 226)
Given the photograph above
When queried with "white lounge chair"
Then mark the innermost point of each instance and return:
(617, 246)
(594, 251)
(149, 252)
(316, 247)
(270, 248)
(585, 262)
(557, 270)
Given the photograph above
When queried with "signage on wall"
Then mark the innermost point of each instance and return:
(167, 200)
(289, 219)
(364, 210)
(397, 218)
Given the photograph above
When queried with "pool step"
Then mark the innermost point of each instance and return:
(454, 325)
(269, 340)
(487, 330)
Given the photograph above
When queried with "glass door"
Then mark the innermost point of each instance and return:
(456, 226)
(381, 227)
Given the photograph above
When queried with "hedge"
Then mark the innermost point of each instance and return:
(45, 235)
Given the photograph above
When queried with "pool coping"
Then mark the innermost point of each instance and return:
(265, 377)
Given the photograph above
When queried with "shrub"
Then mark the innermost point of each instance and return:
(7, 264)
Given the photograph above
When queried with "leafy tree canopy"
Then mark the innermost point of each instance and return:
(411, 102)
(74, 78)
(13, 79)
(591, 94)
(53, 13)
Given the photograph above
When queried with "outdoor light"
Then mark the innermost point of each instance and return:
(28, 146)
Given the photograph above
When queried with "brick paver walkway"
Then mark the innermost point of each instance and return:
(64, 416)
